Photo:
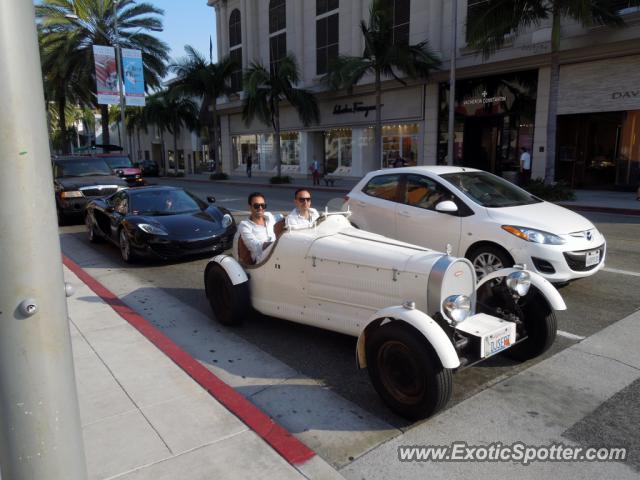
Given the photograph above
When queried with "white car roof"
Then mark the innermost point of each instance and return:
(433, 169)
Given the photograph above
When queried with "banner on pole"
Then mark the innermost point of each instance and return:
(133, 77)
(106, 75)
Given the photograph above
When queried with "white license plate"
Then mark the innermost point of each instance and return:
(593, 258)
(498, 341)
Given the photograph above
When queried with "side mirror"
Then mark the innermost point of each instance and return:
(446, 206)
(211, 199)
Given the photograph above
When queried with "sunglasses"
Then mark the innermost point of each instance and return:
(304, 199)
(259, 205)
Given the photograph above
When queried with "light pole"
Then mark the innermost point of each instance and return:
(452, 80)
(123, 128)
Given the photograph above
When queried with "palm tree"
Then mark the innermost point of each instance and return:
(75, 27)
(136, 120)
(382, 57)
(489, 24)
(207, 81)
(155, 113)
(266, 89)
(182, 112)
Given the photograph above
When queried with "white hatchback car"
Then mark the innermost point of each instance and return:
(482, 217)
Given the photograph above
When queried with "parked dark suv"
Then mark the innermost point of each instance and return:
(77, 179)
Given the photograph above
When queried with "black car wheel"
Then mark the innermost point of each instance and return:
(91, 230)
(125, 247)
(230, 303)
(406, 372)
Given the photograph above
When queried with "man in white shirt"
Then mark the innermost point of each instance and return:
(525, 166)
(257, 231)
(303, 216)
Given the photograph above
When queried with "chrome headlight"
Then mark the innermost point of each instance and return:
(72, 194)
(518, 283)
(535, 236)
(457, 308)
(152, 229)
(227, 220)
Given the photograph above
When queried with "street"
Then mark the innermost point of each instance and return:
(313, 387)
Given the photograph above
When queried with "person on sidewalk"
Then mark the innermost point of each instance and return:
(525, 166)
(303, 216)
(249, 165)
(315, 172)
(257, 231)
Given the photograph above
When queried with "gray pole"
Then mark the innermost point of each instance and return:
(123, 138)
(40, 433)
(452, 80)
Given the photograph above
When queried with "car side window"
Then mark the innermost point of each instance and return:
(120, 203)
(383, 186)
(423, 192)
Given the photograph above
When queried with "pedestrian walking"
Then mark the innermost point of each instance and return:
(249, 162)
(315, 172)
(525, 166)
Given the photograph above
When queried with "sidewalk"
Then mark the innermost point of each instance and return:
(150, 411)
(604, 201)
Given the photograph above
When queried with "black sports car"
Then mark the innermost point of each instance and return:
(161, 222)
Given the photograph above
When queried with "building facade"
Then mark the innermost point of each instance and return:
(501, 102)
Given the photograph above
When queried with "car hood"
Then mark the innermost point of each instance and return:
(187, 225)
(127, 170)
(543, 216)
(74, 183)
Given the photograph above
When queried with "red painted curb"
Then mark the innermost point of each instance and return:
(282, 441)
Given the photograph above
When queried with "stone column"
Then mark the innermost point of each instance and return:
(538, 158)
(435, 25)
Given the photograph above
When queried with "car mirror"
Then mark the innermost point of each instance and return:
(446, 206)
(211, 199)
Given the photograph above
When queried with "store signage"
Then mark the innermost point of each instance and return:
(353, 108)
(484, 99)
(627, 94)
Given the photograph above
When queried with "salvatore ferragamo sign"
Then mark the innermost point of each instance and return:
(354, 108)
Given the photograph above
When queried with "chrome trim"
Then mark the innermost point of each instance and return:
(434, 285)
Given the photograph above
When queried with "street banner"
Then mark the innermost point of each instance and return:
(106, 75)
(133, 77)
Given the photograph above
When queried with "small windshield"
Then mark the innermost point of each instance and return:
(118, 161)
(489, 190)
(163, 202)
(82, 167)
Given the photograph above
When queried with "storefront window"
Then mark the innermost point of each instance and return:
(400, 144)
(290, 148)
(337, 147)
(242, 147)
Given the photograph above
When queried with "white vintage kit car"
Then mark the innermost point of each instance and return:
(419, 315)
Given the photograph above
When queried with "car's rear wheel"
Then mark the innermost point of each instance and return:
(91, 230)
(125, 247)
(487, 258)
(406, 372)
(230, 303)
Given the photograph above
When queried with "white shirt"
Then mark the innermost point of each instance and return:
(296, 220)
(525, 161)
(254, 235)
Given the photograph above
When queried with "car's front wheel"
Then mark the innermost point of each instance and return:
(125, 247)
(91, 229)
(487, 258)
(230, 303)
(406, 372)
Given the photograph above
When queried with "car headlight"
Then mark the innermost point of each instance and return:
(227, 220)
(72, 194)
(152, 229)
(457, 308)
(519, 283)
(535, 236)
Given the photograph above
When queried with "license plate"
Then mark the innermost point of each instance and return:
(592, 258)
(498, 341)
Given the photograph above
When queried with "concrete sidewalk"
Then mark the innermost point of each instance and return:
(144, 417)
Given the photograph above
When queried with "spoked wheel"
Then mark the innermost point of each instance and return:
(487, 259)
(406, 372)
(230, 303)
(91, 230)
(125, 247)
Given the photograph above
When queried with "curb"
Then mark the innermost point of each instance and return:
(589, 208)
(282, 441)
(290, 186)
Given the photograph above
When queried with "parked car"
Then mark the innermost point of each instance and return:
(159, 222)
(121, 166)
(418, 314)
(484, 218)
(77, 179)
(149, 168)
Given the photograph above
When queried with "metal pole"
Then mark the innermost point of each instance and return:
(123, 138)
(452, 80)
(40, 433)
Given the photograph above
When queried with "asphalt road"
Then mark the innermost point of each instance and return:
(327, 357)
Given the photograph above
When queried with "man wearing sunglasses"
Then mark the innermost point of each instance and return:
(257, 231)
(303, 216)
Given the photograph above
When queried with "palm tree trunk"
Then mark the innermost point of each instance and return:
(378, 132)
(163, 156)
(214, 137)
(175, 148)
(104, 113)
(138, 158)
(276, 140)
(62, 122)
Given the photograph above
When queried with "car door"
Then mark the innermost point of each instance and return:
(374, 206)
(417, 220)
(120, 205)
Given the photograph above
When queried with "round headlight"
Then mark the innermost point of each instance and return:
(519, 283)
(227, 220)
(457, 308)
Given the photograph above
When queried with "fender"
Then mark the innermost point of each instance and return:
(236, 273)
(422, 322)
(548, 290)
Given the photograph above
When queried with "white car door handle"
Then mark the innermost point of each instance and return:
(404, 214)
